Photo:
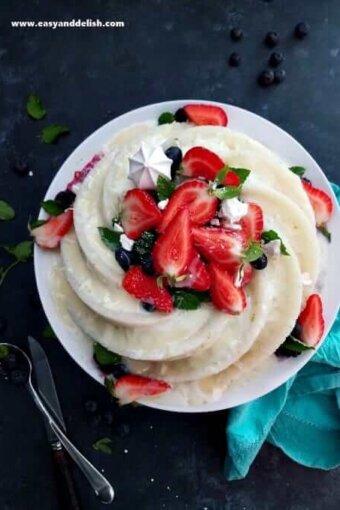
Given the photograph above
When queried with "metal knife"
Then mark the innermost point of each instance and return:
(67, 492)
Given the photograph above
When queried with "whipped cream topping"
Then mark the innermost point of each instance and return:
(162, 204)
(273, 248)
(147, 165)
(126, 242)
(233, 210)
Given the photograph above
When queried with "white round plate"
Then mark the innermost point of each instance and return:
(239, 120)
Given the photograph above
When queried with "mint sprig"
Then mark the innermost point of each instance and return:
(188, 299)
(52, 207)
(21, 252)
(272, 235)
(105, 357)
(293, 347)
(6, 211)
(34, 108)
(227, 192)
(165, 187)
(243, 173)
(325, 232)
(110, 238)
(103, 445)
(253, 252)
(51, 133)
(4, 351)
(297, 170)
(166, 118)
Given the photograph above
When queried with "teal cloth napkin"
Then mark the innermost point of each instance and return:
(302, 417)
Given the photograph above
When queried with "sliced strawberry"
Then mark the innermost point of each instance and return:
(243, 275)
(201, 162)
(139, 213)
(206, 114)
(173, 250)
(198, 276)
(220, 245)
(311, 321)
(145, 288)
(80, 175)
(132, 387)
(194, 196)
(252, 223)
(50, 233)
(224, 294)
(320, 201)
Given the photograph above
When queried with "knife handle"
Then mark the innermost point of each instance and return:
(67, 492)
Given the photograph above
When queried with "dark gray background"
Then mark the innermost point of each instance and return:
(167, 50)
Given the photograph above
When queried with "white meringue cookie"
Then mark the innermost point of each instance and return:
(147, 165)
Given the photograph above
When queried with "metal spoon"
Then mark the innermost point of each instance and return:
(98, 482)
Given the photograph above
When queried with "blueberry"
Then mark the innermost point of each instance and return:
(297, 331)
(124, 258)
(119, 369)
(123, 429)
(279, 76)
(234, 59)
(271, 39)
(275, 58)
(266, 78)
(3, 324)
(180, 115)
(301, 30)
(147, 265)
(148, 307)
(175, 154)
(108, 417)
(18, 377)
(65, 198)
(91, 406)
(260, 263)
(21, 168)
(236, 34)
(94, 420)
(11, 361)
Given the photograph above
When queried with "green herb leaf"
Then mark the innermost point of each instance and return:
(227, 192)
(4, 351)
(105, 357)
(51, 133)
(220, 176)
(109, 384)
(189, 300)
(297, 170)
(103, 445)
(52, 207)
(292, 344)
(21, 251)
(110, 238)
(253, 252)
(35, 108)
(48, 332)
(166, 118)
(145, 243)
(325, 232)
(165, 187)
(36, 223)
(242, 173)
(271, 235)
(6, 211)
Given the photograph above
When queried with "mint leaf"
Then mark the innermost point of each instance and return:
(52, 207)
(35, 108)
(227, 192)
(109, 384)
(188, 300)
(271, 235)
(21, 251)
(145, 243)
(165, 187)
(36, 223)
(103, 445)
(105, 357)
(166, 118)
(253, 252)
(220, 176)
(242, 173)
(4, 351)
(51, 133)
(6, 211)
(325, 232)
(297, 170)
(48, 332)
(110, 238)
(292, 347)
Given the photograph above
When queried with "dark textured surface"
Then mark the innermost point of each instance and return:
(168, 49)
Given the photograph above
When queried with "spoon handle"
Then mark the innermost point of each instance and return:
(98, 482)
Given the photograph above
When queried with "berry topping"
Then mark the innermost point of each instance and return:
(201, 162)
(321, 203)
(252, 223)
(180, 115)
(206, 114)
(50, 233)
(145, 288)
(311, 321)
(234, 59)
(198, 276)
(224, 294)
(271, 39)
(194, 195)
(173, 250)
(279, 76)
(220, 245)
(139, 213)
(147, 265)
(301, 30)
(175, 154)
(80, 175)
(131, 387)
(124, 258)
(236, 34)
(148, 307)
(275, 58)
(260, 263)
(65, 198)
(266, 78)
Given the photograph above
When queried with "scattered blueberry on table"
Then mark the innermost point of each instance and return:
(236, 34)
(301, 30)
(279, 76)
(266, 78)
(234, 59)
(272, 39)
(276, 58)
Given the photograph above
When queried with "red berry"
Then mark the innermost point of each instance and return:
(252, 223)
(224, 294)
(198, 276)
(50, 233)
(206, 114)
(311, 321)
(320, 201)
(145, 288)
(132, 387)
(139, 213)
(201, 162)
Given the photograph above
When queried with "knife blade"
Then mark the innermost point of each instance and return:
(46, 386)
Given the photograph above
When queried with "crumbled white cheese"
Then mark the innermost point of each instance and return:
(233, 210)
(273, 248)
(306, 279)
(162, 204)
(215, 222)
(231, 226)
(117, 228)
(126, 242)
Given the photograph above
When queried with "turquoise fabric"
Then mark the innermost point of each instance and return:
(302, 417)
